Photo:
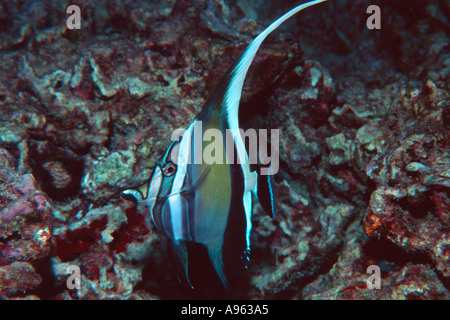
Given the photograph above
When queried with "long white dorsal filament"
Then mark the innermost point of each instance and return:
(233, 94)
(231, 108)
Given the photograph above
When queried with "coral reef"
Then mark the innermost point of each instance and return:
(25, 229)
(364, 119)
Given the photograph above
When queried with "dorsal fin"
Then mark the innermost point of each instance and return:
(224, 99)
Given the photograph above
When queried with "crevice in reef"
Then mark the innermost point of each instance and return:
(418, 208)
(391, 257)
(13, 236)
(49, 287)
(58, 172)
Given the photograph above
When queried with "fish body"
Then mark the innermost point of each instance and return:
(206, 202)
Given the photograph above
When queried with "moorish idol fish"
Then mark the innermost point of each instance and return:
(211, 203)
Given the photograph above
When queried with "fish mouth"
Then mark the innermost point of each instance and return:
(132, 195)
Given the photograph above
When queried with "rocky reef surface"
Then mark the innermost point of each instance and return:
(364, 119)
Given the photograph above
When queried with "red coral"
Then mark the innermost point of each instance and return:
(73, 242)
(135, 230)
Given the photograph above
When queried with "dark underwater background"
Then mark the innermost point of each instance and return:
(364, 120)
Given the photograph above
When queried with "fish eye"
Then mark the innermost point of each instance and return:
(169, 169)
